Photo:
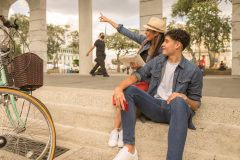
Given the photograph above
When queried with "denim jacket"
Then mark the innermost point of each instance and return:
(188, 79)
(138, 38)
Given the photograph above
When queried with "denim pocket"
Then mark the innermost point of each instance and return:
(155, 74)
(155, 78)
(182, 85)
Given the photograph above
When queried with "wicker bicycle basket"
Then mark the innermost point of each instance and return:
(27, 71)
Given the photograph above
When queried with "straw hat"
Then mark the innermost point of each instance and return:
(156, 24)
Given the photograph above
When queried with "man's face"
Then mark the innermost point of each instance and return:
(101, 36)
(170, 46)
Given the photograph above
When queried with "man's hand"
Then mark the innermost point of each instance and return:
(119, 98)
(174, 95)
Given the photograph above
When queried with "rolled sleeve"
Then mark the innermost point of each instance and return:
(144, 73)
(194, 90)
(132, 35)
(137, 75)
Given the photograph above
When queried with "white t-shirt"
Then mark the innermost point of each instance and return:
(165, 88)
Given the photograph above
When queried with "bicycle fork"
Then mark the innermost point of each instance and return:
(20, 126)
(18, 123)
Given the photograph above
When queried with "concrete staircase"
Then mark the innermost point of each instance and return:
(84, 119)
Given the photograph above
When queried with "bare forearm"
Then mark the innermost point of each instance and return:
(114, 24)
(127, 82)
(194, 105)
(90, 50)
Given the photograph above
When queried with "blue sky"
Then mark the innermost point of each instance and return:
(63, 12)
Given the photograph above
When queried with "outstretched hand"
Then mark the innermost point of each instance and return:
(102, 18)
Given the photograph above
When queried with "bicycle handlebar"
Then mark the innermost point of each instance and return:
(3, 49)
(8, 23)
(6, 27)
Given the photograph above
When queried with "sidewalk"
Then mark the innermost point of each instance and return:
(214, 86)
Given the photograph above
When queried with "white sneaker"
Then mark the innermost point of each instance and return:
(123, 154)
(120, 139)
(113, 139)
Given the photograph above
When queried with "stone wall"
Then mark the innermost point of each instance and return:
(148, 9)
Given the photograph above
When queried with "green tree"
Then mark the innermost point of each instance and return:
(56, 39)
(121, 45)
(208, 28)
(21, 38)
(74, 41)
(182, 7)
(204, 23)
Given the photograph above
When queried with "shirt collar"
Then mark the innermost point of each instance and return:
(181, 64)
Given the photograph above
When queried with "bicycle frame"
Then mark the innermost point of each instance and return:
(13, 113)
(3, 82)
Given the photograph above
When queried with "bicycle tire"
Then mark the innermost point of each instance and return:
(43, 110)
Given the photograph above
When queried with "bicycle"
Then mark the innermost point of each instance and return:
(26, 127)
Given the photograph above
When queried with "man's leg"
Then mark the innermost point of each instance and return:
(102, 65)
(94, 68)
(150, 106)
(177, 133)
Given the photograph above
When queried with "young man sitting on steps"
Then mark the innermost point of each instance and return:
(174, 93)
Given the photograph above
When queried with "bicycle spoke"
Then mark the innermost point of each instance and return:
(34, 140)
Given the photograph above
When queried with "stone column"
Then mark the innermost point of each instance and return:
(236, 37)
(4, 7)
(148, 9)
(38, 29)
(85, 35)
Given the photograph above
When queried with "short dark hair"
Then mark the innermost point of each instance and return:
(179, 35)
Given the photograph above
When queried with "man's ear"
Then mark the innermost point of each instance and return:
(178, 45)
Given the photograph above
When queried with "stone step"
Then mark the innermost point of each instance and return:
(92, 153)
(79, 115)
(86, 118)
(213, 109)
(155, 131)
(103, 122)
(93, 145)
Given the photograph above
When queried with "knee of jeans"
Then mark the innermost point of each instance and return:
(178, 105)
(130, 90)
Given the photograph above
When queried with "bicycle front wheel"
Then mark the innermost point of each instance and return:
(26, 127)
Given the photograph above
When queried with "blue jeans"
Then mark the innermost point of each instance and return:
(176, 114)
